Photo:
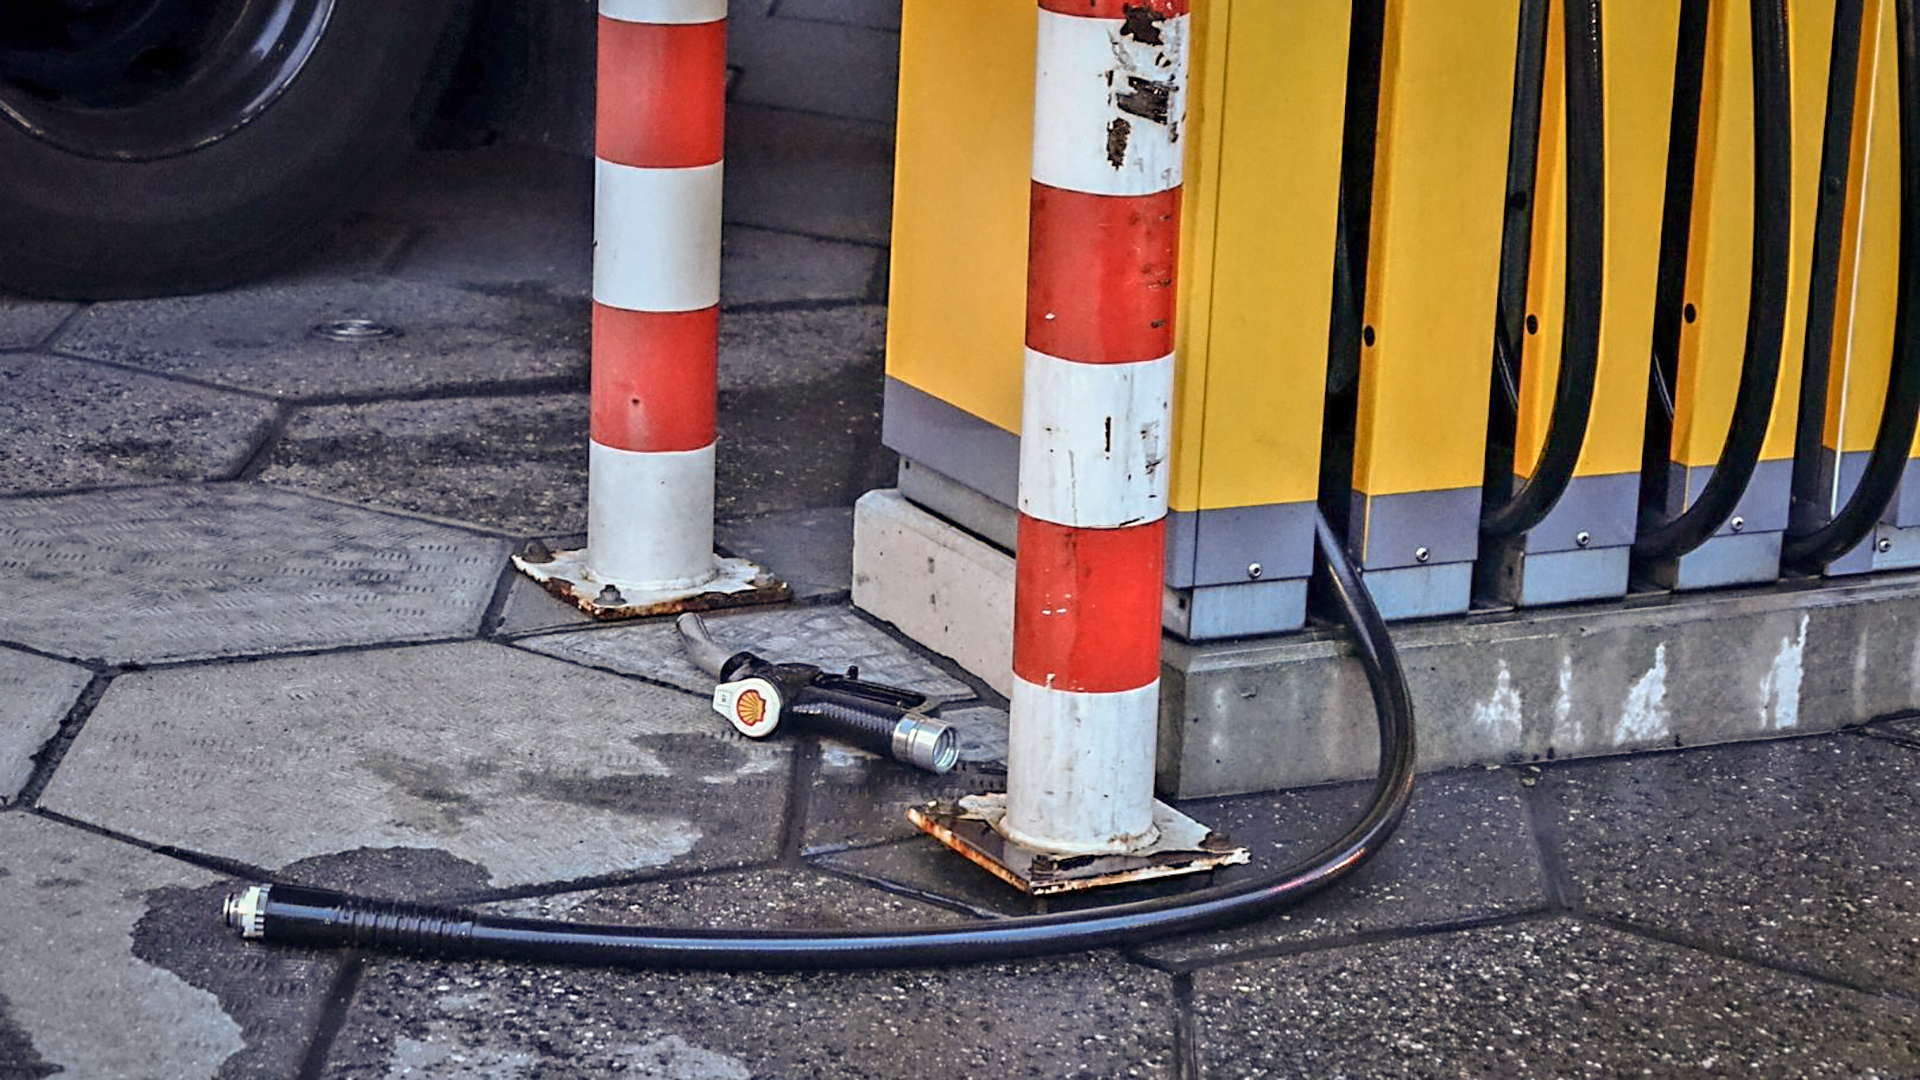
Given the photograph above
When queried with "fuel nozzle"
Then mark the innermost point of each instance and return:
(755, 695)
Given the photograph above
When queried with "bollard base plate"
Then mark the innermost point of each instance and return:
(969, 826)
(737, 583)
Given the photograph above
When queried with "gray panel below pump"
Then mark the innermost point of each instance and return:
(1594, 512)
(1419, 592)
(1238, 545)
(1413, 528)
(1762, 507)
(1249, 609)
(1746, 559)
(952, 441)
(1559, 577)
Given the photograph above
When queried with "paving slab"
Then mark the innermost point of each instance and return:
(810, 550)
(113, 962)
(261, 337)
(857, 799)
(804, 446)
(182, 573)
(537, 771)
(814, 175)
(759, 266)
(841, 68)
(1094, 1014)
(517, 464)
(35, 695)
(1464, 852)
(25, 323)
(832, 638)
(501, 215)
(1803, 851)
(768, 350)
(877, 14)
(71, 424)
(1554, 998)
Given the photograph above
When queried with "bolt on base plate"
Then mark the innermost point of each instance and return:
(1184, 846)
(738, 583)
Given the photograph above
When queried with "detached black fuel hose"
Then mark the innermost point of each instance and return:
(1766, 298)
(1893, 442)
(1586, 266)
(312, 917)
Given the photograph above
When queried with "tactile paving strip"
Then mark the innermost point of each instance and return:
(182, 573)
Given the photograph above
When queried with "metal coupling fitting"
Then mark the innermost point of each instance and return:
(246, 911)
(925, 743)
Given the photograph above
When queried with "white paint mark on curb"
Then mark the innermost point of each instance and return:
(1498, 717)
(1780, 687)
(1644, 716)
(1565, 730)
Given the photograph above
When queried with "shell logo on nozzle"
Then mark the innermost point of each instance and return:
(749, 708)
(753, 705)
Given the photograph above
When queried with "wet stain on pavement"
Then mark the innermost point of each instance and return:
(18, 1058)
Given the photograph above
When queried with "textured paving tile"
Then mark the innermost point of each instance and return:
(1538, 999)
(113, 962)
(802, 447)
(25, 323)
(530, 608)
(758, 266)
(534, 770)
(1465, 851)
(1094, 1015)
(501, 215)
(1803, 851)
(260, 338)
(192, 572)
(810, 550)
(815, 175)
(518, 464)
(35, 694)
(67, 424)
(841, 68)
(766, 350)
(858, 798)
(878, 14)
(830, 637)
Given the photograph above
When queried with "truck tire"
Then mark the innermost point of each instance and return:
(157, 147)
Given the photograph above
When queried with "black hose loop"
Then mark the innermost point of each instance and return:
(1586, 268)
(1766, 299)
(1893, 441)
(318, 918)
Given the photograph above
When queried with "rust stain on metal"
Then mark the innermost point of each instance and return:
(1142, 24)
(773, 592)
(1146, 99)
(1117, 134)
(1039, 874)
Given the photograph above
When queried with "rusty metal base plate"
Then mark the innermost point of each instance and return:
(738, 583)
(1184, 846)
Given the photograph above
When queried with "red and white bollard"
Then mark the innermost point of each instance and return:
(1096, 419)
(656, 316)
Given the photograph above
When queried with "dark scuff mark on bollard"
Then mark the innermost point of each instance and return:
(1117, 133)
(1141, 23)
(1144, 98)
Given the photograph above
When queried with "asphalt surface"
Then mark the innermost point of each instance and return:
(257, 623)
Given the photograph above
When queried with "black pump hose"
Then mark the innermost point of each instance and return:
(1586, 266)
(1893, 441)
(316, 917)
(1766, 298)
